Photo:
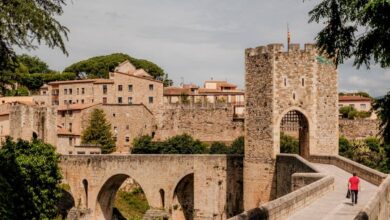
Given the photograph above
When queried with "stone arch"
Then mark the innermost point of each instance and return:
(106, 196)
(296, 119)
(183, 199)
(65, 204)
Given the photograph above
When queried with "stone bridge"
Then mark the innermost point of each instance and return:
(185, 186)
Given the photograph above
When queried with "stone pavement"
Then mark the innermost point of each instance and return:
(334, 205)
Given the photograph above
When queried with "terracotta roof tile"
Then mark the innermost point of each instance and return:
(353, 98)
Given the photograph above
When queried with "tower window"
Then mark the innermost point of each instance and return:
(303, 81)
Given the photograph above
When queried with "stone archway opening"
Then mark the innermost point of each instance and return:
(294, 134)
(121, 197)
(183, 199)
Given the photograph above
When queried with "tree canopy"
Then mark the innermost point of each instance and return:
(382, 107)
(184, 144)
(100, 66)
(99, 132)
(26, 24)
(33, 64)
(29, 180)
(359, 29)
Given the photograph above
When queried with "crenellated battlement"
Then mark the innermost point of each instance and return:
(279, 48)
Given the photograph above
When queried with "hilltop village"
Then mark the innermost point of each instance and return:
(136, 104)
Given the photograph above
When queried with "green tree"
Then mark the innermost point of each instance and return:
(29, 180)
(237, 146)
(20, 91)
(354, 28)
(99, 132)
(33, 64)
(382, 107)
(26, 24)
(183, 144)
(219, 148)
(34, 81)
(348, 112)
(288, 144)
(100, 66)
(144, 145)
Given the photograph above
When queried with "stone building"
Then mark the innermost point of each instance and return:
(126, 85)
(298, 86)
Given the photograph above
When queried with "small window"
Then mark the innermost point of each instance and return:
(65, 91)
(294, 95)
(130, 88)
(82, 90)
(120, 87)
(150, 100)
(127, 127)
(303, 81)
(130, 100)
(151, 87)
(113, 115)
(340, 105)
(70, 91)
(63, 113)
(104, 100)
(70, 127)
(77, 91)
(82, 101)
(70, 101)
(70, 141)
(70, 113)
(80, 152)
(70, 152)
(104, 89)
(285, 81)
(352, 105)
(363, 106)
(127, 139)
(65, 102)
(120, 100)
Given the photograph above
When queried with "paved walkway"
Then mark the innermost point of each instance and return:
(334, 205)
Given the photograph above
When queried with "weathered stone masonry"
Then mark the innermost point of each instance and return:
(278, 82)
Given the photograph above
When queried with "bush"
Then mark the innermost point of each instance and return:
(237, 146)
(369, 152)
(144, 145)
(348, 112)
(288, 144)
(219, 148)
(29, 180)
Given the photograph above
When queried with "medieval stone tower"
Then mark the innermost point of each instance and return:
(297, 88)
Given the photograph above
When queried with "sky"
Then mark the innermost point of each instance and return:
(195, 40)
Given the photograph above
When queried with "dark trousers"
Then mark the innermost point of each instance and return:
(354, 196)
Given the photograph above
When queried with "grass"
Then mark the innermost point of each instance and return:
(132, 205)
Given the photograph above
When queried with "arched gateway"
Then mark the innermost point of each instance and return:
(294, 90)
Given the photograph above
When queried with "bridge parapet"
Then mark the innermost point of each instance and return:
(292, 170)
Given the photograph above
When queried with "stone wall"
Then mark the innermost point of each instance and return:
(309, 187)
(279, 82)
(27, 121)
(286, 166)
(378, 206)
(204, 123)
(358, 128)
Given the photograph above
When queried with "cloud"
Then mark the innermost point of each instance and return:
(195, 39)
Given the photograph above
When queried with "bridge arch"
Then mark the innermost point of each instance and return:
(183, 198)
(106, 196)
(296, 122)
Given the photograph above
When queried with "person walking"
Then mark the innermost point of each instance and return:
(353, 186)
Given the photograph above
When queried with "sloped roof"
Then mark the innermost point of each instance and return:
(176, 91)
(353, 98)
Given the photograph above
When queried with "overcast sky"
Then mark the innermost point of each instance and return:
(194, 40)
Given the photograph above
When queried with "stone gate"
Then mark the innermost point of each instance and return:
(297, 86)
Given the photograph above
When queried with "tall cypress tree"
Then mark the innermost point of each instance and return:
(99, 132)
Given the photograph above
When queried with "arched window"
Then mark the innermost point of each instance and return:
(85, 184)
(162, 194)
